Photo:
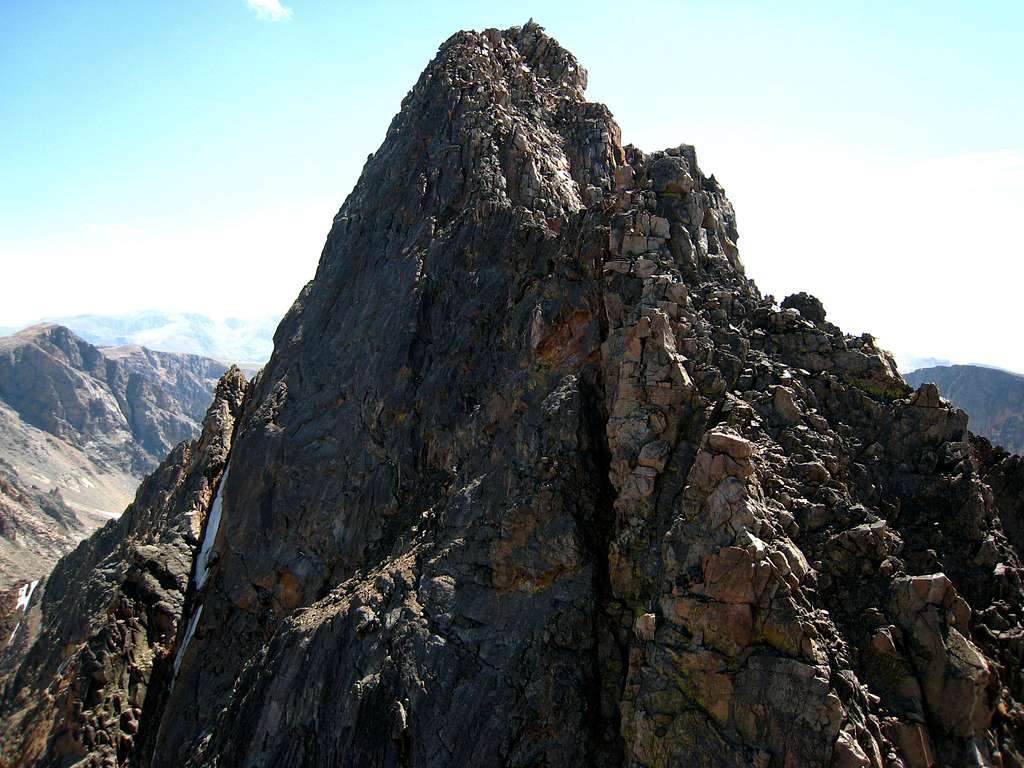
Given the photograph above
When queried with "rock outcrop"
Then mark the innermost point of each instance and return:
(79, 427)
(110, 612)
(993, 398)
(535, 476)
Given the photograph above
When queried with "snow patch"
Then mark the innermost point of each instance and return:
(192, 624)
(25, 595)
(210, 535)
(16, 628)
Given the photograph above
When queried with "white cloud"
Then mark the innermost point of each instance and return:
(925, 252)
(270, 10)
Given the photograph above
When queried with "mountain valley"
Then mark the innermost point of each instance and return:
(79, 427)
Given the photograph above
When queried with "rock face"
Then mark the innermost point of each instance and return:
(993, 398)
(37, 527)
(111, 612)
(79, 426)
(535, 476)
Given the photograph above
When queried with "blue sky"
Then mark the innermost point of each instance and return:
(190, 155)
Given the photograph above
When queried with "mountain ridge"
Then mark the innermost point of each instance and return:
(80, 425)
(245, 342)
(994, 398)
(535, 476)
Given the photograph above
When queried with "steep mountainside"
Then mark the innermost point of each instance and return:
(79, 426)
(993, 398)
(535, 476)
(128, 580)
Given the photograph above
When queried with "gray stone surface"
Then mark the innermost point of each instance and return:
(994, 399)
(104, 624)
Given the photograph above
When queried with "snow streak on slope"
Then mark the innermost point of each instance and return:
(212, 525)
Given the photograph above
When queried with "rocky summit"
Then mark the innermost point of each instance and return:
(536, 477)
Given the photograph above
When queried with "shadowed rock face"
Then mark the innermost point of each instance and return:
(993, 398)
(536, 477)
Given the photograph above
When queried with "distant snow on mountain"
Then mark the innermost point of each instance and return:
(909, 363)
(244, 341)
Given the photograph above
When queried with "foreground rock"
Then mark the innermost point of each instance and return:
(79, 427)
(993, 398)
(535, 476)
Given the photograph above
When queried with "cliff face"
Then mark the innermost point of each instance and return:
(105, 622)
(535, 476)
(993, 398)
(102, 398)
(37, 526)
(79, 427)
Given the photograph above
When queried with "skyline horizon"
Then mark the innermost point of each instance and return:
(906, 363)
(887, 181)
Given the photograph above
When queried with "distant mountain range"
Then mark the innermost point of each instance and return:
(247, 342)
(79, 427)
(993, 398)
(913, 362)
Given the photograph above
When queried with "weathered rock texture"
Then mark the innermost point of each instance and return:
(79, 427)
(536, 477)
(111, 612)
(993, 398)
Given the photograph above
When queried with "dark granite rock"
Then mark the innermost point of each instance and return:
(809, 307)
(110, 613)
(536, 476)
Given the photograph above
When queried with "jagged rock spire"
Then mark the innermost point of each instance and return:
(536, 476)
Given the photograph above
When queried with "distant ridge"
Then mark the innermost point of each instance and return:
(79, 427)
(993, 398)
(247, 342)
